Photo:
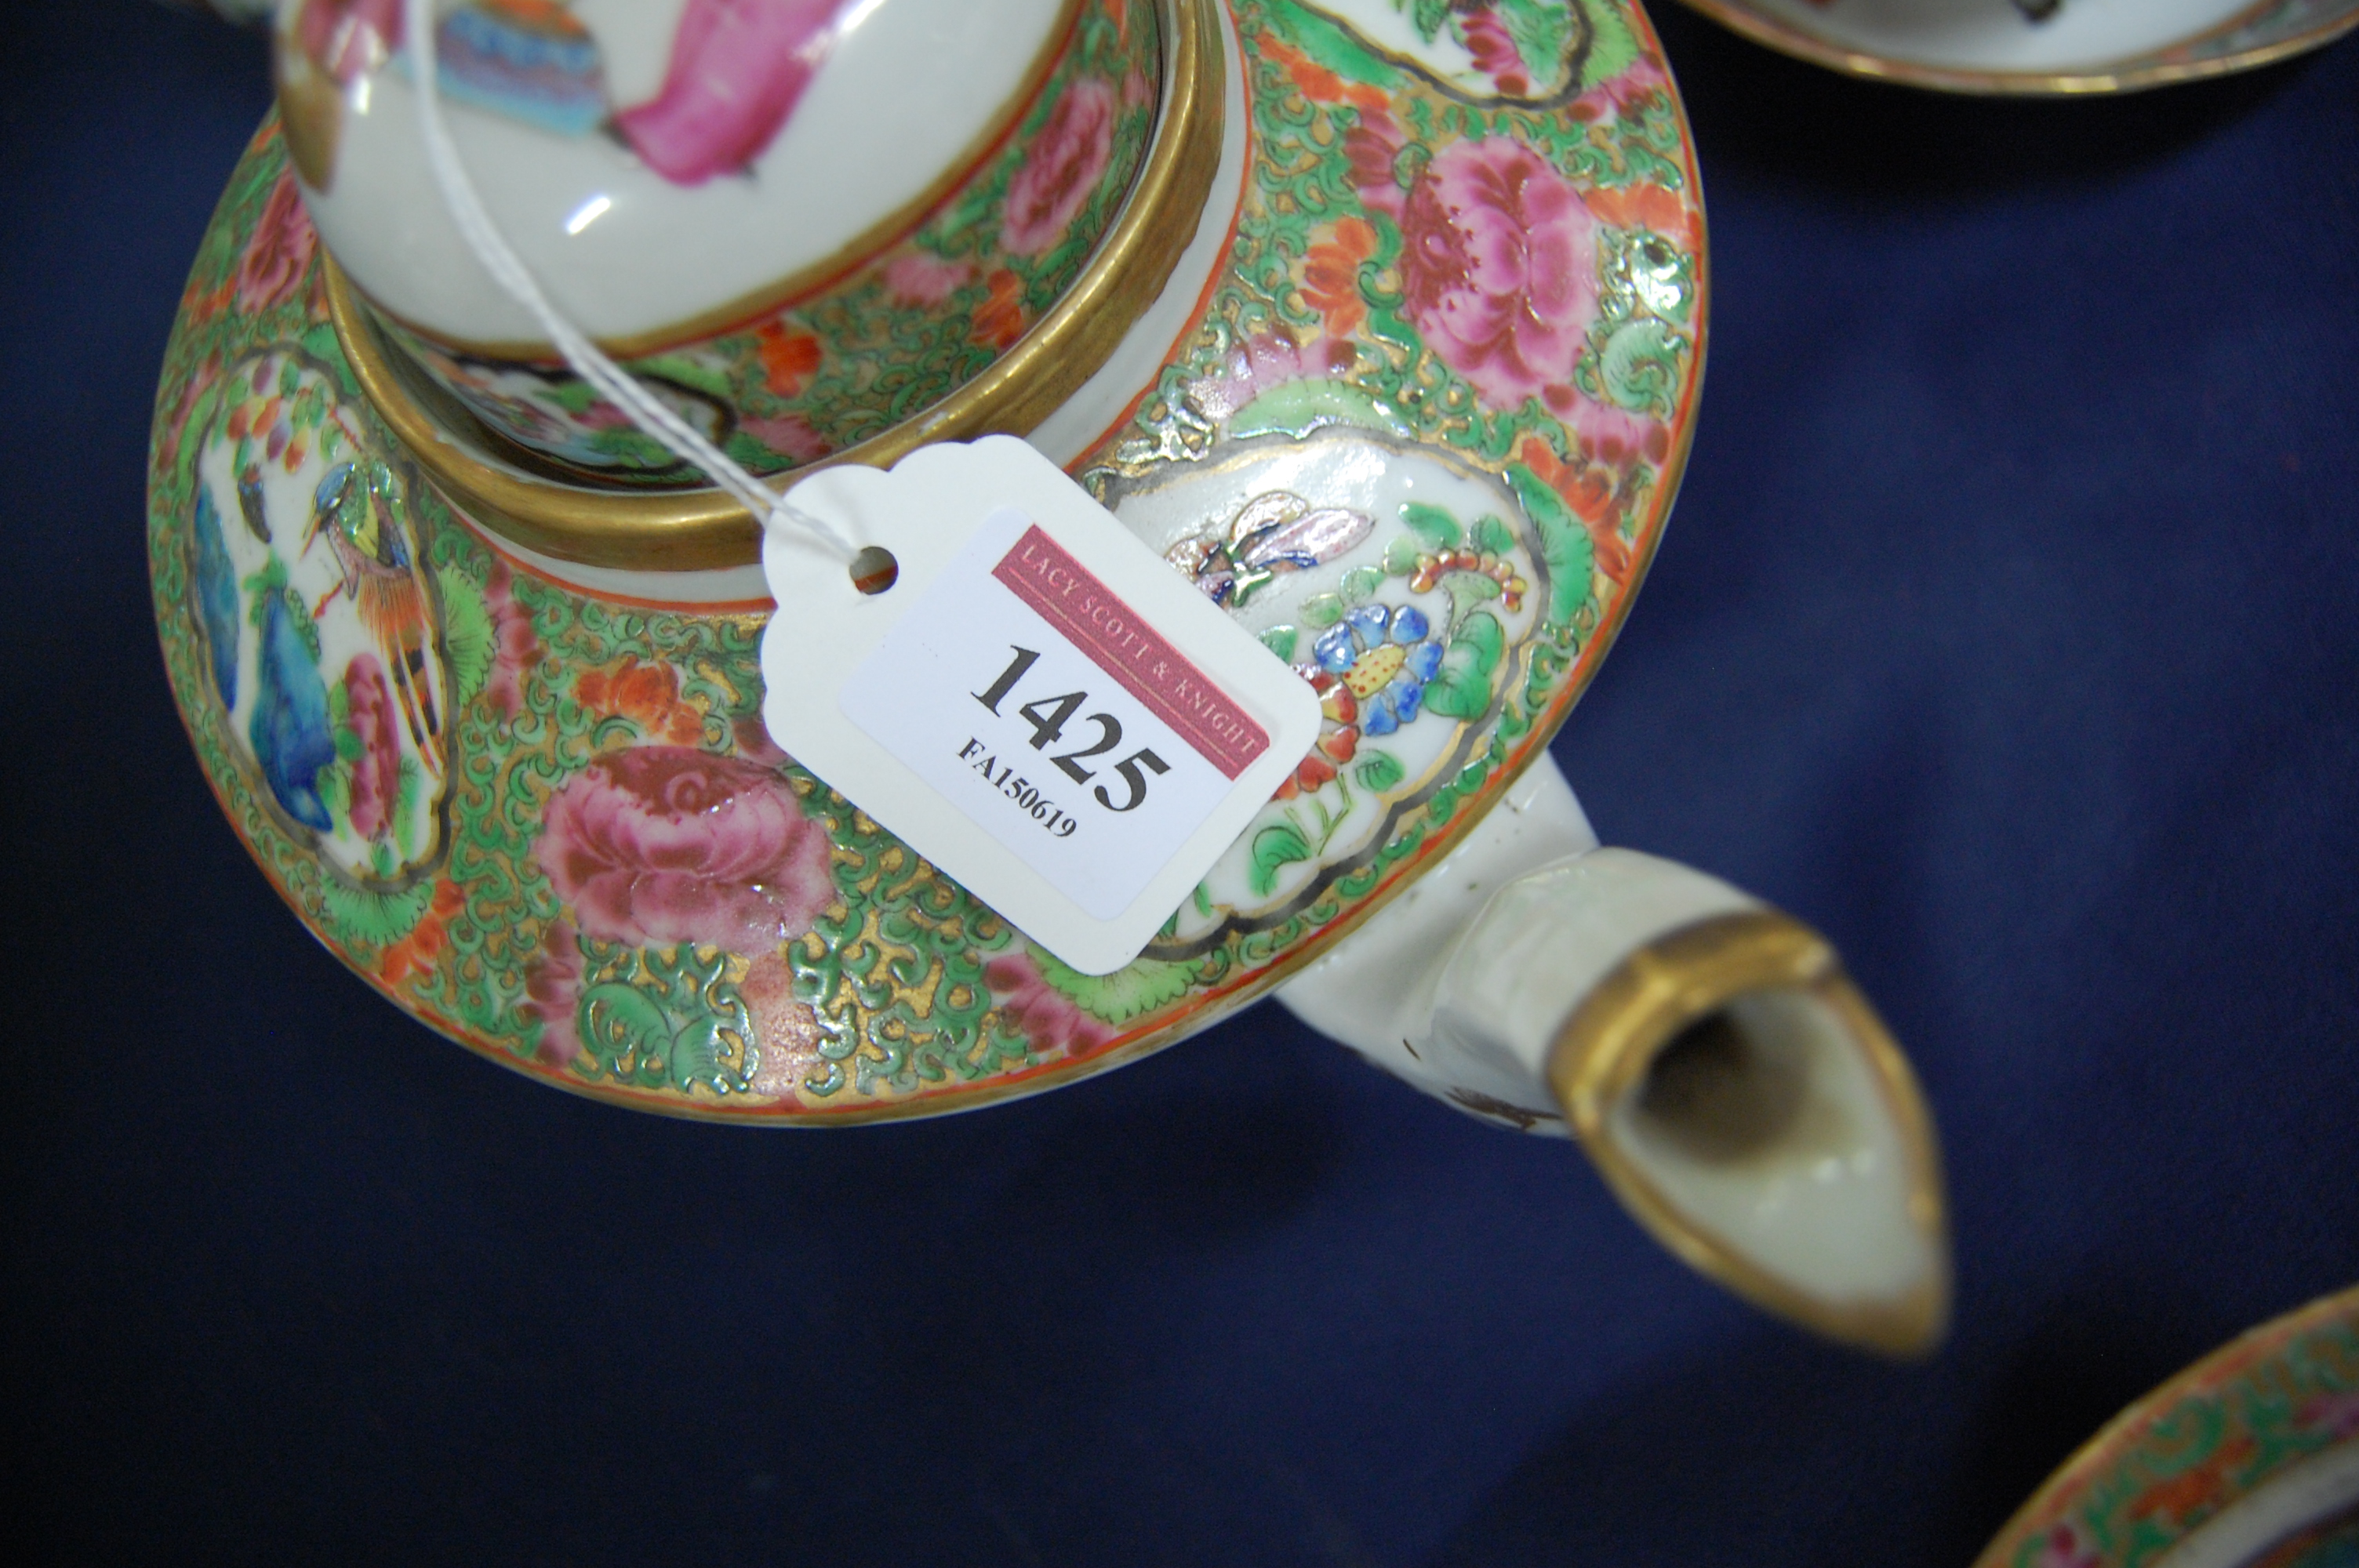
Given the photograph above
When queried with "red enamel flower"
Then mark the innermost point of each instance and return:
(1339, 736)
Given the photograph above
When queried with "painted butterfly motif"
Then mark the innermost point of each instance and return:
(1276, 532)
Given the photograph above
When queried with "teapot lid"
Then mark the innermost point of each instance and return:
(665, 166)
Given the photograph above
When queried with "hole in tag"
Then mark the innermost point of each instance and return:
(874, 569)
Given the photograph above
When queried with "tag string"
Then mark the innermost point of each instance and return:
(648, 412)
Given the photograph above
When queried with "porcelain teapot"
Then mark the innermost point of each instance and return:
(1389, 340)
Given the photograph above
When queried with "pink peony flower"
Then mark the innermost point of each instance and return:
(552, 984)
(1044, 1015)
(1499, 267)
(1061, 169)
(1645, 77)
(1613, 435)
(377, 772)
(514, 646)
(1487, 40)
(278, 255)
(920, 277)
(790, 435)
(654, 845)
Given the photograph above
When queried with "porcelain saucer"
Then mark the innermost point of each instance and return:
(2247, 1459)
(2034, 47)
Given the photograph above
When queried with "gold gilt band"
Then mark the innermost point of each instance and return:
(2132, 76)
(704, 529)
(1604, 1049)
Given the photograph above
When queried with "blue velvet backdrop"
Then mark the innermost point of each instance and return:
(2008, 631)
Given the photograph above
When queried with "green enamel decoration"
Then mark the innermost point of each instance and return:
(466, 631)
(1327, 43)
(1122, 996)
(1278, 845)
(340, 721)
(1612, 47)
(1300, 407)
(375, 917)
(576, 397)
(1467, 589)
(334, 782)
(1565, 545)
(625, 1033)
(1639, 367)
(1438, 528)
(687, 370)
(1541, 31)
(697, 1057)
(1462, 689)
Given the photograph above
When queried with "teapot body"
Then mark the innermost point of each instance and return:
(1409, 399)
(453, 751)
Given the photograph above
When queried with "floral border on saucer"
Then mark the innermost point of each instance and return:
(2282, 1394)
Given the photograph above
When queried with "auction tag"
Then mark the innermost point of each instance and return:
(1040, 705)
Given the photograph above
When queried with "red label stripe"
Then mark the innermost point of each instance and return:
(1043, 576)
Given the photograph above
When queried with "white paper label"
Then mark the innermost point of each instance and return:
(1040, 705)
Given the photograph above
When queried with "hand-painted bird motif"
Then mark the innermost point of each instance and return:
(355, 509)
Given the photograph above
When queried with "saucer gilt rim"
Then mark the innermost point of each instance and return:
(2137, 74)
(2312, 1349)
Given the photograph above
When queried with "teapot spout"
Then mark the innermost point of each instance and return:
(1737, 1092)
(1745, 1103)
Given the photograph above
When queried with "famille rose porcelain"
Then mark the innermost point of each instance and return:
(2038, 45)
(2247, 1459)
(1409, 397)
